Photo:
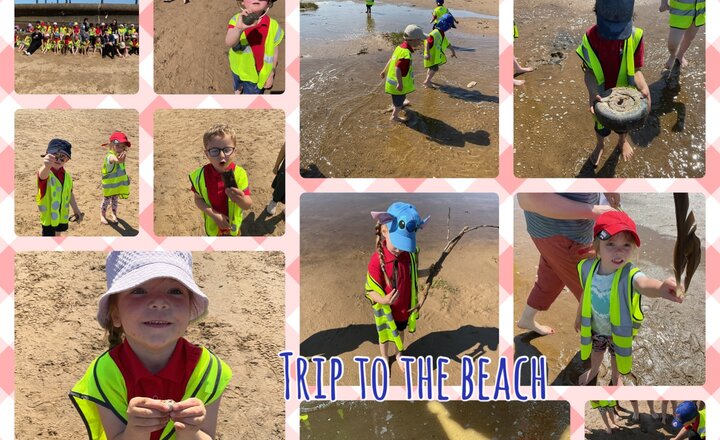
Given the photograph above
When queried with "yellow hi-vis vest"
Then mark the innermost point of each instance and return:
(242, 61)
(115, 180)
(625, 312)
(684, 12)
(384, 321)
(626, 76)
(391, 81)
(54, 207)
(516, 34)
(603, 403)
(235, 213)
(439, 12)
(701, 425)
(437, 51)
(103, 384)
(369, 2)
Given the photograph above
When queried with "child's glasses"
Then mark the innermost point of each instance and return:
(215, 152)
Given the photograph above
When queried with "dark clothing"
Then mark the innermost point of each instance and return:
(36, 43)
(278, 184)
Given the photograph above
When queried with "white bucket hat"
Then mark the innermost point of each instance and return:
(126, 270)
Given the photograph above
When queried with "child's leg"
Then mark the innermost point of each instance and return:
(114, 202)
(653, 414)
(518, 69)
(624, 146)
(613, 423)
(400, 353)
(687, 39)
(397, 101)
(596, 359)
(675, 36)
(599, 147)
(103, 209)
(605, 418)
(636, 411)
(615, 374)
(430, 73)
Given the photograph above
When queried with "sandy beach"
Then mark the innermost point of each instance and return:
(179, 151)
(86, 130)
(648, 428)
(665, 351)
(190, 52)
(554, 135)
(460, 316)
(345, 127)
(49, 361)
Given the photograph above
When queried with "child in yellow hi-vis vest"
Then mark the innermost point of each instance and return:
(609, 314)
(220, 188)
(398, 72)
(435, 46)
(152, 383)
(253, 38)
(391, 281)
(606, 409)
(115, 181)
(55, 194)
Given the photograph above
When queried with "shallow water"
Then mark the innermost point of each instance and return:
(345, 129)
(664, 352)
(551, 113)
(453, 420)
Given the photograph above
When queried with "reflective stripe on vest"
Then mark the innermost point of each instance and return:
(54, 206)
(684, 12)
(603, 403)
(625, 312)
(626, 75)
(439, 12)
(437, 51)
(391, 81)
(115, 180)
(384, 321)
(235, 213)
(242, 61)
(103, 384)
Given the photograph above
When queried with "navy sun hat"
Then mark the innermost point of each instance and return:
(614, 18)
(403, 221)
(58, 146)
(684, 413)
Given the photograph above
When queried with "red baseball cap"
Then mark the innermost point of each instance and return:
(118, 138)
(614, 222)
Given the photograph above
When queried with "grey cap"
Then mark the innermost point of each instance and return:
(414, 32)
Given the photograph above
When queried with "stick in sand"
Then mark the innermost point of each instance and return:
(437, 265)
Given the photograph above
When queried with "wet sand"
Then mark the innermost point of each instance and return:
(647, 429)
(453, 420)
(179, 151)
(345, 126)
(460, 316)
(190, 52)
(665, 352)
(49, 362)
(86, 130)
(551, 114)
(75, 74)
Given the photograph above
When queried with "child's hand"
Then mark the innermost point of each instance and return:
(577, 323)
(121, 157)
(663, 6)
(390, 298)
(400, 86)
(51, 161)
(598, 98)
(269, 82)
(188, 416)
(452, 54)
(646, 93)
(220, 220)
(145, 415)
(382, 74)
(235, 195)
(669, 290)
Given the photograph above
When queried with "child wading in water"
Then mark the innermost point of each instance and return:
(398, 72)
(152, 383)
(435, 47)
(609, 313)
(391, 281)
(115, 181)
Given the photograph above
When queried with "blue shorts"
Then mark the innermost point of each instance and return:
(398, 100)
(247, 87)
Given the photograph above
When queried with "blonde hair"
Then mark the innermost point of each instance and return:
(219, 130)
(635, 251)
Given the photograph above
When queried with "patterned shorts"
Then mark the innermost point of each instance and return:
(600, 343)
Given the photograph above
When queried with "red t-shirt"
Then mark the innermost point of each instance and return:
(431, 40)
(168, 383)
(256, 37)
(404, 64)
(609, 52)
(42, 184)
(216, 189)
(404, 280)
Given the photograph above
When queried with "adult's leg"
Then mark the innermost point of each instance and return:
(674, 37)
(687, 38)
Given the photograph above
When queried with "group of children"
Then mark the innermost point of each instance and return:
(121, 40)
(688, 416)
(55, 196)
(398, 72)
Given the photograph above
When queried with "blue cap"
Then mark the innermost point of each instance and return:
(439, 2)
(58, 146)
(445, 22)
(684, 413)
(403, 221)
(614, 18)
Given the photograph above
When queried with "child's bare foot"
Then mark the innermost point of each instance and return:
(111, 218)
(608, 430)
(614, 425)
(103, 220)
(398, 119)
(429, 85)
(542, 330)
(627, 150)
(597, 154)
(406, 102)
(518, 82)
(586, 377)
(401, 364)
(520, 70)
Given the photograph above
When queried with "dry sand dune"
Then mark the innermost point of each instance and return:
(86, 130)
(57, 336)
(179, 150)
(190, 52)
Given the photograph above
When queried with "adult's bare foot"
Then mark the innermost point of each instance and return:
(627, 150)
(533, 326)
